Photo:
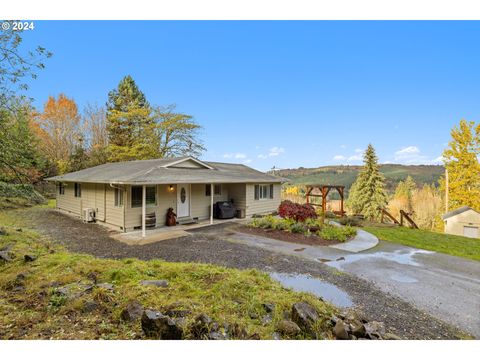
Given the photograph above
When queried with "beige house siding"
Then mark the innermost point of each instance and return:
(455, 225)
(166, 198)
(262, 206)
(101, 197)
(200, 205)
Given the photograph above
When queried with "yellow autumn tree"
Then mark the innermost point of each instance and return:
(461, 160)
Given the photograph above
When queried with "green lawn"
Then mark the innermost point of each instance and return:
(428, 240)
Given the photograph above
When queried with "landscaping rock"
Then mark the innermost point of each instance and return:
(269, 308)
(178, 313)
(202, 325)
(289, 328)
(29, 258)
(276, 336)
(304, 315)
(390, 336)
(132, 311)
(254, 336)
(5, 257)
(106, 286)
(340, 330)
(267, 319)
(158, 326)
(216, 335)
(90, 306)
(359, 331)
(375, 327)
(3, 231)
(158, 283)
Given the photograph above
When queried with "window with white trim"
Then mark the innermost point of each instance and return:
(263, 191)
(151, 196)
(118, 197)
(217, 190)
(61, 188)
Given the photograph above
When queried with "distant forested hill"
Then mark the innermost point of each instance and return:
(346, 175)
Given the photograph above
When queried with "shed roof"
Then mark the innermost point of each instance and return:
(457, 211)
(167, 171)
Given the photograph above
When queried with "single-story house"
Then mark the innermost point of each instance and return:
(463, 221)
(122, 194)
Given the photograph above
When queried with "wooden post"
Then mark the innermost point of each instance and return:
(144, 210)
(211, 204)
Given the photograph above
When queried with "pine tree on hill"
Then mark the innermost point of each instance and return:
(368, 194)
(126, 96)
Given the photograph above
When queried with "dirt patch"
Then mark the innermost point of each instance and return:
(287, 236)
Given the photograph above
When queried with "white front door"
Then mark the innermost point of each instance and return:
(183, 200)
(470, 231)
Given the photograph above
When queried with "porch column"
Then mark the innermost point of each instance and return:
(211, 203)
(144, 210)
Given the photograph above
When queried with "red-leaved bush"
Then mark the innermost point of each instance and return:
(297, 212)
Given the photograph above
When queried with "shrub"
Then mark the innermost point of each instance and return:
(266, 222)
(298, 228)
(297, 212)
(24, 191)
(337, 233)
(350, 220)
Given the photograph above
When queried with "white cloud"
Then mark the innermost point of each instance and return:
(353, 158)
(359, 151)
(247, 161)
(412, 155)
(339, 157)
(343, 146)
(274, 151)
(235, 156)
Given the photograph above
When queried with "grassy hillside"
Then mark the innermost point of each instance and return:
(346, 175)
(47, 292)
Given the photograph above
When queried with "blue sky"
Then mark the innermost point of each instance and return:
(284, 94)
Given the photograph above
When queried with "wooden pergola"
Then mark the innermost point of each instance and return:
(325, 189)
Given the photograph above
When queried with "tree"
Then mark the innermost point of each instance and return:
(427, 208)
(126, 96)
(177, 133)
(131, 135)
(95, 134)
(367, 193)
(404, 193)
(19, 158)
(61, 133)
(16, 65)
(461, 160)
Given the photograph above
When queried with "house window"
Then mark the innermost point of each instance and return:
(151, 196)
(118, 197)
(61, 189)
(217, 190)
(263, 192)
(78, 190)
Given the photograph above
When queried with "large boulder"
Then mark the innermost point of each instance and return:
(304, 315)
(158, 326)
(288, 328)
(132, 311)
(5, 257)
(340, 330)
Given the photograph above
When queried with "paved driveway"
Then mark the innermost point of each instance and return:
(447, 287)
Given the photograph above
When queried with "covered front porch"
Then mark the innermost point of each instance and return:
(192, 203)
(148, 236)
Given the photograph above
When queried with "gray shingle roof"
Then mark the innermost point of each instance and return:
(156, 172)
(457, 211)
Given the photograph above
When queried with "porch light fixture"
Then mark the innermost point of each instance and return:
(170, 188)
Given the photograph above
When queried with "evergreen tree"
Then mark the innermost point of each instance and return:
(126, 96)
(461, 160)
(367, 194)
(130, 124)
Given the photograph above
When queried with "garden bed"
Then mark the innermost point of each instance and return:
(288, 236)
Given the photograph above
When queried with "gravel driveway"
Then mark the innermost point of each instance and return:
(211, 245)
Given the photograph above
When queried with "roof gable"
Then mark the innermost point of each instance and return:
(458, 211)
(189, 163)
